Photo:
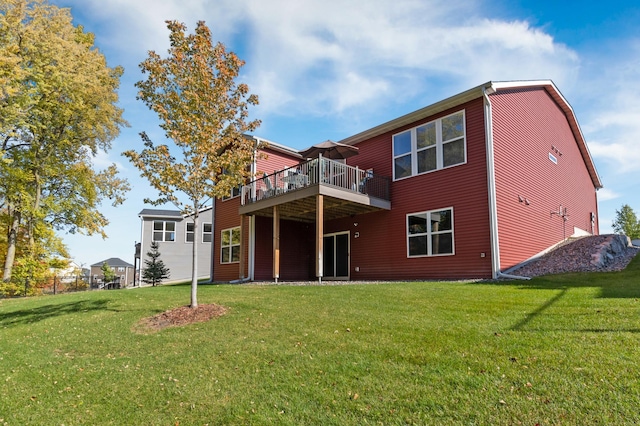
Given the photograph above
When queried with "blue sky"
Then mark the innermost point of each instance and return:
(327, 69)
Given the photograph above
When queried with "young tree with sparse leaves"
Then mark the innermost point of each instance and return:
(205, 113)
(626, 222)
(108, 273)
(58, 109)
(156, 271)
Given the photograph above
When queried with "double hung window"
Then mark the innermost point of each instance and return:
(430, 233)
(432, 146)
(230, 245)
(206, 232)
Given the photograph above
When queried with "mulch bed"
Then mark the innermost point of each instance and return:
(177, 317)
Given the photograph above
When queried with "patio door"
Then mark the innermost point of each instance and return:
(336, 256)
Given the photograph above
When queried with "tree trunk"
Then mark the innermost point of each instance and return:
(12, 241)
(194, 261)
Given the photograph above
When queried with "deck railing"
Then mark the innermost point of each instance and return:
(319, 171)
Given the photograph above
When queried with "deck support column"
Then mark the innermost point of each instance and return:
(319, 235)
(276, 243)
(243, 260)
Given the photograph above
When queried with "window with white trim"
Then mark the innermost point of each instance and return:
(430, 233)
(230, 245)
(432, 146)
(207, 231)
(235, 192)
(164, 230)
(189, 232)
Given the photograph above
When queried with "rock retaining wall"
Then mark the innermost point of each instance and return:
(612, 246)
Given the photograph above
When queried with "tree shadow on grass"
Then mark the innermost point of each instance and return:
(623, 284)
(40, 313)
(616, 285)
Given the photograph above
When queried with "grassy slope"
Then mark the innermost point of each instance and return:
(556, 350)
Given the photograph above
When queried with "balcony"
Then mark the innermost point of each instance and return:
(347, 191)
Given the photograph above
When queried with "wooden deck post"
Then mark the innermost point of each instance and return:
(276, 243)
(242, 246)
(319, 235)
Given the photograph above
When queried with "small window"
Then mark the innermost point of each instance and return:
(120, 268)
(207, 232)
(235, 192)
(230, 245)
(553, 158)
(190, 233)
(430, 233)
(164, 230)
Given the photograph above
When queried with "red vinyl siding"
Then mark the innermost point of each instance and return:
(527, 126)
(380, 250)
(297, 248)
(227, 217)
(270, 161)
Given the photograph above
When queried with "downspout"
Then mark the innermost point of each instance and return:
(137, 275)
(212, 260)
(252, 247)
(252, 218)
(491, 181)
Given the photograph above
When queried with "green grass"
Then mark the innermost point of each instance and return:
(554, 350)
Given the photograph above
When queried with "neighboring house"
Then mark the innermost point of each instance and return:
(68, 274)
(124, 272)
(175, 236)
(468, 187)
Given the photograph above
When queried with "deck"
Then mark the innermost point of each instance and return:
(347, 190)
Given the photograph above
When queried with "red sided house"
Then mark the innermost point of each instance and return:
(467, 187)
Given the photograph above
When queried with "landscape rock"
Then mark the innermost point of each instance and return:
(598, 253)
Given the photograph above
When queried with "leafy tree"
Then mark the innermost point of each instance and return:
(108, 273)
(57, 111)
(205, 113)
(156, 271)
(626, 222)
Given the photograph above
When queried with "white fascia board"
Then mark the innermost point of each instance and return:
(278, 147)
(425, 112)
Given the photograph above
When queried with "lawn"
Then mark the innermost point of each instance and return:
(554, 350)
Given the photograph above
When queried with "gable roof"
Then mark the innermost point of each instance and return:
(274, 146)
(114, 262)
(167, 214)
(174, 214)
(488, 88)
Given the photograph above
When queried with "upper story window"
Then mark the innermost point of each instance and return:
(430, 233)
(432, 146)
(120, 268)
(190, 234)
(207, 230)
(235, 192)
(164, 230)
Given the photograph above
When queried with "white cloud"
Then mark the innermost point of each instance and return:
(332, 55)
(613, 120)
(326, 56)
(103, 160)
(606, 194)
